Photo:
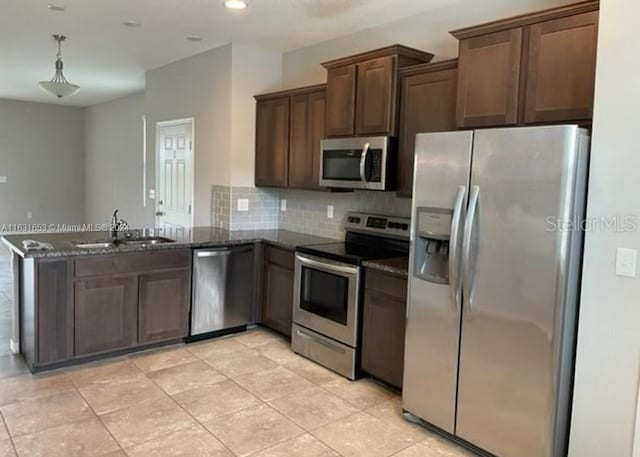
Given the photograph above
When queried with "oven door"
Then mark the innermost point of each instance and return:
(355, 163)
(326, 297)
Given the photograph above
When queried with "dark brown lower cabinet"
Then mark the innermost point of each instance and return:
(277, 289)
(55, 311)
(383, 328)
(77, 307)
(163, 308)
(106, 314)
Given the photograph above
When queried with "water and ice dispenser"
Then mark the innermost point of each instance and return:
(433, 233)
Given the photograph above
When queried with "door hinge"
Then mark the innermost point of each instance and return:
(189, 209)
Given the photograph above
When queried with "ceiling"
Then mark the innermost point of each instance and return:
(108, 60)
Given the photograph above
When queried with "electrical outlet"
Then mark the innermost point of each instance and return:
(283, 205)
(243, 204)
(626, 262)
(330, 211)
(29, 215)
(3, 179)
(152, 194)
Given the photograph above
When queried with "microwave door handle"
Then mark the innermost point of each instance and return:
(363, 162)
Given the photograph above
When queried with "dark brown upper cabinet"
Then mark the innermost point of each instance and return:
(561, 69)
(341, 101)
(489, 79)
(305, 134)
(363, 92)
(272, 142)
(289, 127)
(428, 104)
(528, 69)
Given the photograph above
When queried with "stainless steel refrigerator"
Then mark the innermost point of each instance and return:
(494, 280)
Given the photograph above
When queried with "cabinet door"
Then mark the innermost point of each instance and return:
(375, 101)
(55, 312)
(307, 130)
(561, 69)
(106, 314)
(317, 106)
(272, 142)
(163, 308)
(383, 330)
(300, 157)
(489, 79)
(277, 299)
(428, 105)
(341, 101)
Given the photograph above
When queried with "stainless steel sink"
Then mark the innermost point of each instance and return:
(95, 245)
(147, 241)
(151, 241)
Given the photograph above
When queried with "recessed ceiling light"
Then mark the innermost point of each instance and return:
(235, 4)
(132, 24)
(54, 7)
(194, 38)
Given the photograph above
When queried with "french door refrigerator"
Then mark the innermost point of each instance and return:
(493, 285)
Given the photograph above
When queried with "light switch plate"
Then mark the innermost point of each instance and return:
(626, 262)
(283, 205)
(3, 179)
(29, 215)
(243, 204)
(330, 211)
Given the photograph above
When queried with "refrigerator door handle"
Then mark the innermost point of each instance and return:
(454, 255)
(468, 275)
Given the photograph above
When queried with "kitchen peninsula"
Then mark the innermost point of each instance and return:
(87, 297)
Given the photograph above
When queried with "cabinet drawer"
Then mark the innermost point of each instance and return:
(389, 285)
(280, 257)
(132, 263)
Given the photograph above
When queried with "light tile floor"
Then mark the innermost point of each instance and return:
(242, 395)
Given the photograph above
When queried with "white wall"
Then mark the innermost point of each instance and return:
(199, 87)
(114, 161)
(255, 70)
(428, 31)
(608, 357)
(41, 154)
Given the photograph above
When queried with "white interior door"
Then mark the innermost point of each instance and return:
(174, 171)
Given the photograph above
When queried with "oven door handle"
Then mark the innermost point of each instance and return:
(329, 267)
(363, 162)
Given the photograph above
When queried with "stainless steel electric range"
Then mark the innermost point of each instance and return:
(328, 289)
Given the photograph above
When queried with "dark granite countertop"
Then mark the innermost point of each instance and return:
(397, 266)
(63, 244)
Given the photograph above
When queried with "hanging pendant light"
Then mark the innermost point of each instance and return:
(59, 86)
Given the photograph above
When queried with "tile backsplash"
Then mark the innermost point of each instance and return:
(306, 211)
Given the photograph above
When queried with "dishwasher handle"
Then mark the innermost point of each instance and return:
(222, 251)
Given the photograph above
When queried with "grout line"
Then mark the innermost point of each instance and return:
(13, 445)
(191, 415)
(101, 421)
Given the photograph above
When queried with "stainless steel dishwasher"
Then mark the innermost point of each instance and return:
(223, 289)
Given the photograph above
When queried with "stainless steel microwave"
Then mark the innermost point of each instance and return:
(358, 163)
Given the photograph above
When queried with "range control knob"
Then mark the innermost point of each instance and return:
(405, 226)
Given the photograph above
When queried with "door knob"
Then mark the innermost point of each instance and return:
(159, 213)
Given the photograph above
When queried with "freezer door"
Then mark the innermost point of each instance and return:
(442, 168)
(520, 284)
